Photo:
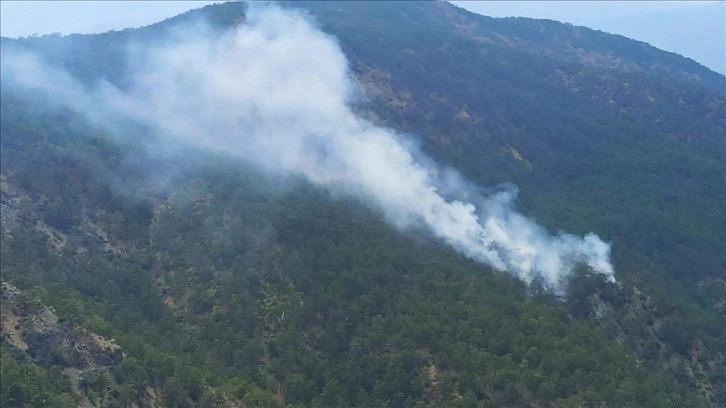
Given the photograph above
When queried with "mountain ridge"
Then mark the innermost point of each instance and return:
(330, 279)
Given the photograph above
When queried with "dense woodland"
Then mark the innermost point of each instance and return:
(225, 285)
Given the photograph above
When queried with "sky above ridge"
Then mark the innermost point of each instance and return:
(695, 29)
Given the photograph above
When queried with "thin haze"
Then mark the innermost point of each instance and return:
(277, 92)
(695, 29)
(27, 18)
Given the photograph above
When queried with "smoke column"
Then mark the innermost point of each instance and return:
(277, 92)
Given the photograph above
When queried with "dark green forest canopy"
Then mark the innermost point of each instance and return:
(222, 283)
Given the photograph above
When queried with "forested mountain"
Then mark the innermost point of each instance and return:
(225, 283)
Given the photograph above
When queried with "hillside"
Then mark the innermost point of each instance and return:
(228, 279)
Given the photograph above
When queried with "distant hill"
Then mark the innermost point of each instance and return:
(225, 285)
(701, 34)
(696, 31)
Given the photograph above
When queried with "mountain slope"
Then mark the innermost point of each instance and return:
(225, 288)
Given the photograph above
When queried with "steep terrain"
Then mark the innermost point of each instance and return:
(229, 286)
(74, 358)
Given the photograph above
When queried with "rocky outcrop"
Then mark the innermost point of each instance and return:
(36, 329)
(10, 199)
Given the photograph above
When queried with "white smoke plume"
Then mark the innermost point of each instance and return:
(277, 91)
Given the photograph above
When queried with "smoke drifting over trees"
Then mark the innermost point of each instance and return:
(276, 91)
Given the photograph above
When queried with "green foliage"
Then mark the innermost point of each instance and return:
(301, 298)
(26, 385)
(221, 282)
